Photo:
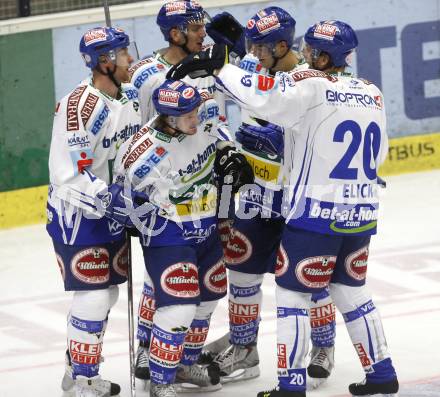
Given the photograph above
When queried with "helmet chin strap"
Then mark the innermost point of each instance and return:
(111, 75)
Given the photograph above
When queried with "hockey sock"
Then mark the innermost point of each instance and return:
(147, 307)
(245, 299)
(322, 320)
(85, 330)
(364, 326)
(198, 332)
(293, 334)
(170, 326)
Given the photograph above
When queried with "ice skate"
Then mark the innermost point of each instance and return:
(197, 379)
(211, 350)
(365, 388)
(237, 363)
(320, 367)
(158, 390)
(95, 387)
(67, 384)
(281, 393)
(142, 368)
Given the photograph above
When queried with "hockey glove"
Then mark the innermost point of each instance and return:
(267, 139)
(232, 168)
(225, 29)
(200, 64)
(114, 203)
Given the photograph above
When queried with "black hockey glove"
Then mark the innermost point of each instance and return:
(225, 29)
(232, 168)
(200, 64)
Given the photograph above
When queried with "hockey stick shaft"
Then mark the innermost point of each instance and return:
(108, 20)
(130, 317)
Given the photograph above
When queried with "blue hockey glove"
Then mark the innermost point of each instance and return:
(117, 204)
(268, 139)
(225, 29)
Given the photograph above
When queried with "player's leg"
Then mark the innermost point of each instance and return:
(213, 285)
(306, 263)
(250, 253)
(93, 273)
(362, 319)
(146, 309)
(323, 333)
(174, 276)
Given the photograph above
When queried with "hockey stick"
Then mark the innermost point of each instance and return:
(130, 317)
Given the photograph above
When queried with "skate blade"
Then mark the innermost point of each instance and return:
(240, 375)
(379, 395)
(191, 388)
(315, 383)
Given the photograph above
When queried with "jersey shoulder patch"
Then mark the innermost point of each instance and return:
(72, 108)
(144, 69)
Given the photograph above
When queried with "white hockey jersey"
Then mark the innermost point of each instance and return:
(88, 128)
(267, 168)
(177, 175)
(149, 73)
(335, 141)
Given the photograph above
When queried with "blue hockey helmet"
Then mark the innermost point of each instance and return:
(269, 26)
(179, 14)
(101, 41)
(175, 98)
(336, 38)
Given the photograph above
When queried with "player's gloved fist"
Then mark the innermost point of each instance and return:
(118, 204)
(200, 64)
(268, 139)
(225, 29)
(232, 168)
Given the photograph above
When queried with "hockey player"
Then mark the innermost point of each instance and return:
(252, 248)
(89, 125)
(335, 140)
(172, 159)
(182, 24)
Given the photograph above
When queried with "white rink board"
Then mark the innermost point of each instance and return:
(404, 276)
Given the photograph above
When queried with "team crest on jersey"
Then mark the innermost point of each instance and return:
(95, 36)
(268, 23)
(175, 7)
(282, 262)
(316, 271)
(91, 265)
(169, 97)
(215, 278)
(325, 31)
(120, 261)
(238, 248)
(181, 280)
(356, 264)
